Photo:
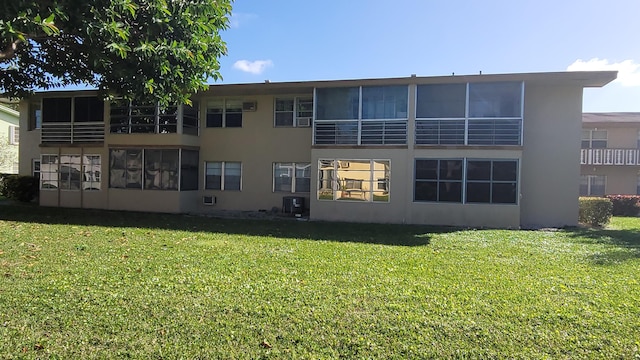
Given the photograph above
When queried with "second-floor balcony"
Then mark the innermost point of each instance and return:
(624, 157)
(72, 133)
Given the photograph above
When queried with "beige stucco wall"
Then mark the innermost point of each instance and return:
(401, 208)
(551, 148)
(619, 136)
(29, 141)
(619, 179)
(257, 145)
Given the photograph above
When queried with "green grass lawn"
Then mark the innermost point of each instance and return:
(92, 284)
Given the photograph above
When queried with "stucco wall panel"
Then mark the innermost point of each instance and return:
(551, 148)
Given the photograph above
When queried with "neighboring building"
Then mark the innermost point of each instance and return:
(9, 140)
(479, 150)
(610, 154)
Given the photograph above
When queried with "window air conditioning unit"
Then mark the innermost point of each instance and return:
(249, 106)
(303, 122)
(209, 200)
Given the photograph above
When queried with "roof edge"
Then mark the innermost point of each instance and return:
(9, 111)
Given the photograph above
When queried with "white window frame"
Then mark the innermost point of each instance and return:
(35, 173)
(590, 179)
(45, 175)
(373, 181)
(590, 138)
(224, 102)
(294, 178)
(222, 175)
(14, 135)
(295, 112)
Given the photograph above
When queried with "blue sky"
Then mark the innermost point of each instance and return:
(297, 40)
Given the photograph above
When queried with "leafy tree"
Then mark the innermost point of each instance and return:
(8, 154)
(153, 50)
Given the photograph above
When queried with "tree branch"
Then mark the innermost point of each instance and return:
(10, 51)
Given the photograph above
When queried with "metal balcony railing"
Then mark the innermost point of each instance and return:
(623, 157)
(72, 133)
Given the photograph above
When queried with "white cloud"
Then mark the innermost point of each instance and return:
(628, 70)
(237, 19)
(253, 67)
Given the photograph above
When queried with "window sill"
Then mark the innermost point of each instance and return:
(470, 147)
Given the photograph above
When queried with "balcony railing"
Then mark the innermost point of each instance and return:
(610, 157)
(72, 133)
(360, 132)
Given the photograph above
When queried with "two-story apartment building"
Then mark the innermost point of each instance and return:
(478, 150)
(610, 154)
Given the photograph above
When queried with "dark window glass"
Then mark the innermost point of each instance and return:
(337, 103)
(189, 170)
(501, 99)
(190, 118)
(233, 120)
(505, 171)
(213, 176)
(284, 118)
(438, 180)
(450, 191)
(503, 193)
(441, 101)
(426, 191)
(427, 169)
(478, 192)
(232, 175)
(384, 102)
(214, 115)
(450, 170)
(284, 112)
(88, 108)
(492, 181)
(478, 170)
(56, 110)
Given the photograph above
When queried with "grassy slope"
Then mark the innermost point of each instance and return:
(95, 284)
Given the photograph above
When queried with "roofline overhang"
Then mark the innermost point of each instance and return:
(570, 78)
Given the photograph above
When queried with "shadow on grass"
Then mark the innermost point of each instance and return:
(385, 234)
(623, 245)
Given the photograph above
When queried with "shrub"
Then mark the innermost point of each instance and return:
(595, 211)
(625, 205)
(19, 187)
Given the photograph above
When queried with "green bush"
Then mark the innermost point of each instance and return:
(19, 187)
(595, 211)
(625, 205)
